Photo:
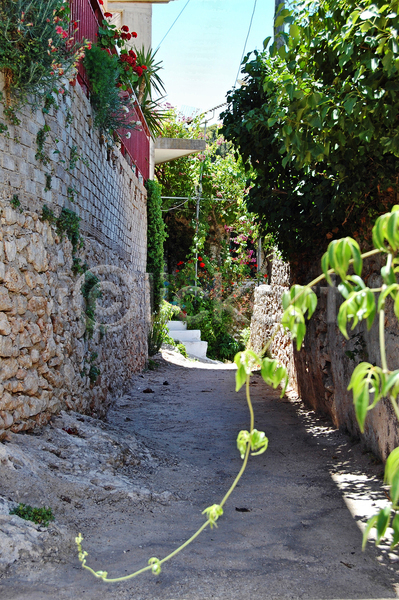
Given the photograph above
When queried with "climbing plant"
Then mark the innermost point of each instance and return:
(156, 236)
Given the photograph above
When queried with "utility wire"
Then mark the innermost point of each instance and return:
(170, 28)
(246, 41)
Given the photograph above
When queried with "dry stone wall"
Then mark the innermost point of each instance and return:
(267, 315)
(322, 369)
(48, 359)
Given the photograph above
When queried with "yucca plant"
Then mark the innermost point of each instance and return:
(148, 85)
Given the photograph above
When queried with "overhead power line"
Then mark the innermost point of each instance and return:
(171, 27)
(246, 41)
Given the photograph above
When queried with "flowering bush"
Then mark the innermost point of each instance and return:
(37, 50)
(112, 39)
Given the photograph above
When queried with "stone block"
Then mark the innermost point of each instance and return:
(5, 327)
(10, 248)
(38, 305)
(7, 419)
(31, 383)
(6, 303)
(13, 280)
(6, 346)
(8, 162)
(35, 334)
(8, 368)
(25, 340)
(37, 254)
(10, 215)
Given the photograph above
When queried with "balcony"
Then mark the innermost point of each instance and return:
(136, 150)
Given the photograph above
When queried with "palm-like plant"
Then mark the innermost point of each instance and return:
(148, 85)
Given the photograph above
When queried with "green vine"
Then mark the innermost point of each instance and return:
(91, 292)
(156, 236)
(252, 442)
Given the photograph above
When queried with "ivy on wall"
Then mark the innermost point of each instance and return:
(156, 236)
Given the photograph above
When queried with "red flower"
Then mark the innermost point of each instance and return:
(138, 70)
(108, 15)
(134, 34)
(101, 2)
(180, 263)
(125, 28)
(199, 258)
(202, 265)
(264, 275)
(144, 67)
(132, 54)
(177, 270)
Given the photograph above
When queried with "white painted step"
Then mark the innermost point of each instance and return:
(193, 335)
(197, 349)
(190, 338)
(176, 326)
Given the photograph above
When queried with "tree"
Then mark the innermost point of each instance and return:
(317, 121)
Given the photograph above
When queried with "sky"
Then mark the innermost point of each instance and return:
(201, 54)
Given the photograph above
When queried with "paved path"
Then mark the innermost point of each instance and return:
(286, 531)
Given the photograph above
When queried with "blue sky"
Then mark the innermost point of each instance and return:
(202, 52)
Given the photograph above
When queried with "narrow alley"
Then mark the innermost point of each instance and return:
(135, 487)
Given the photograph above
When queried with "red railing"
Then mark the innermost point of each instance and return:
(88, 14)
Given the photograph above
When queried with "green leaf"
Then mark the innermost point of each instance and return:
(338, 256)
(295, 33)
(391, 466)
(370, 524)
(246, 361)
(349, 104)
(383, 519)
(266, 42)
(366, 378)
(395, 527)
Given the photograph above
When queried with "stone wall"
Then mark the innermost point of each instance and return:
(46, 351)
(267, 315)
(322, 369)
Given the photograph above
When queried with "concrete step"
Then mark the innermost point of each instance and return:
(196, 349)
(190, 338)
(176, 325)
(193, 335)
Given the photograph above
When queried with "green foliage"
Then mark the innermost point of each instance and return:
(68, 223)
(36, 50)
(48, 215)
(110, 106)
(158, 333)
(91, 292)
(317, 122)
(182, 349)
(156, 236)
(40, 516)
(16, 203)
(369, 383)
